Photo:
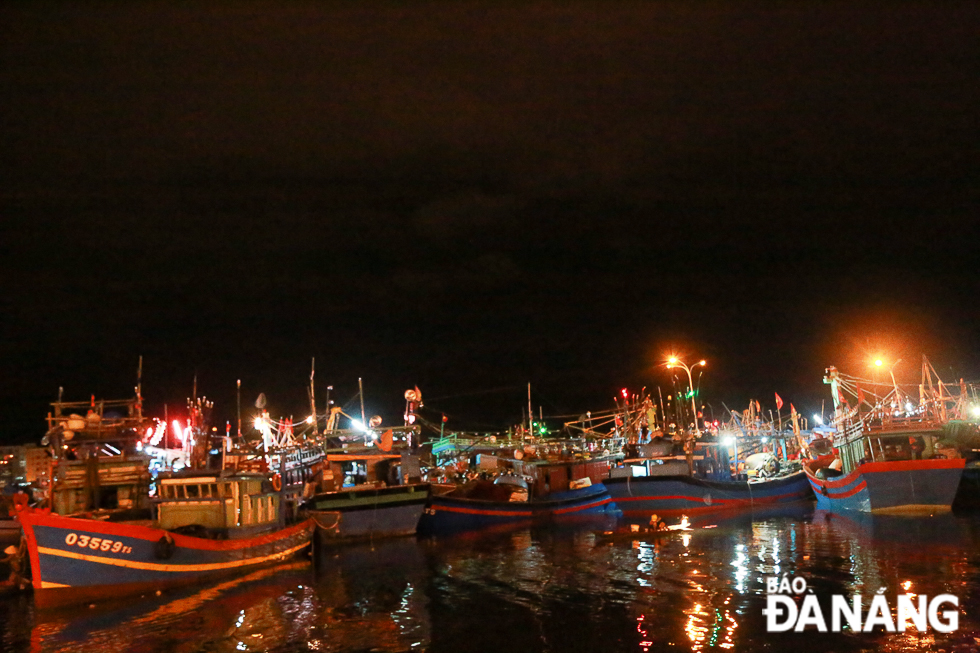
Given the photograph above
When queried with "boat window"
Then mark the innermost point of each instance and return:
(193, 491)
(228, 491)
(214, 490)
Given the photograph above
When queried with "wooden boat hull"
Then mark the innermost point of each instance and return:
(447, 514)
(368, 512)
(639, 496)
(75, 560)
(892, 486)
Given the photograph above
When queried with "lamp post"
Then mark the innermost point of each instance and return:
(673, 361)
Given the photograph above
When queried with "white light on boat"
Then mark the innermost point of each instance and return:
(817, 419)
(358, 425)
(309, 420)
(976, 411)
(908, 406)
(764, 440)
(729, 442)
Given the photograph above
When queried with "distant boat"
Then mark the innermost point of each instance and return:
(209, 524)
(532, 491)
(885, 460)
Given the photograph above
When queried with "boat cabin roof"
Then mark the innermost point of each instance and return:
(197, 476)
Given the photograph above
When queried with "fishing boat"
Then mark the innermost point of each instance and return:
(693, 473)
(884, 459)
(674, 495)
(366, 492)
(104, 533)
(208, 524)
(513, 491)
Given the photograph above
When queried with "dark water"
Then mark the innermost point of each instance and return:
(546, 589)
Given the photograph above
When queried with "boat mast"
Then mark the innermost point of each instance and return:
(530, 411)
(832, 378)
(139, 391)
(238, 402)
(360, 391)
(316, 430)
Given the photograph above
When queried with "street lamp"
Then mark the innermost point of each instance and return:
(673, 361)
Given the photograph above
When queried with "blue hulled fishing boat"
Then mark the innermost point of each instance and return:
(208, 524)
(527, 492)
(885, 459)
(639, 496)
(695, 475)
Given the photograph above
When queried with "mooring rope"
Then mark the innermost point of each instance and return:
(333, 526)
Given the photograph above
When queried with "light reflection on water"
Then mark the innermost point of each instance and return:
(545, 590)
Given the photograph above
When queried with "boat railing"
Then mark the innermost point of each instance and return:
(902, 424)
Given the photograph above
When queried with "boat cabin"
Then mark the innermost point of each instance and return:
(217, 504)
(96, 465)
(508, 479)
(358, 469)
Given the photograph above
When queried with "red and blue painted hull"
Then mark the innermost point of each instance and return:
(639, 496)
(76, 559)
(892, 486)
(447, 514)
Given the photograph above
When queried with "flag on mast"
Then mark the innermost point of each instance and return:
(779, 401)
(386, 441)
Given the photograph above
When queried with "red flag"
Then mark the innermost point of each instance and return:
(860, 395)
(385, 443)
(779, 401)
(791, 409)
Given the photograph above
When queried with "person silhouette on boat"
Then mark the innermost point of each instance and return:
(656, 524)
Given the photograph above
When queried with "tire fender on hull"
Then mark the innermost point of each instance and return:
(164, 548)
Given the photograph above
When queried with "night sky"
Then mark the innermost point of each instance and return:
(471, 196)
